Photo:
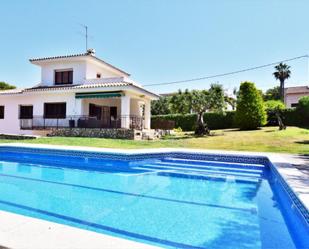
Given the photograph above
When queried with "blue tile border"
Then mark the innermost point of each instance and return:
(140, 156)
(303, 211)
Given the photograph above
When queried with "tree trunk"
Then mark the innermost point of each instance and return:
(282, 90)
(201, 128)
(280, 122)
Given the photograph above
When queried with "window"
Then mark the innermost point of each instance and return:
(294, 105)
(54, 110)
(95, 111)
(26, 112)
(2, 112)
(63, 77)
(98, 76)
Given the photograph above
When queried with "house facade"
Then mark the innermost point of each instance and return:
(76, 91)
(293, 94)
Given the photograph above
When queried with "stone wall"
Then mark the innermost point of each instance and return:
(93, 132)
(16, 137)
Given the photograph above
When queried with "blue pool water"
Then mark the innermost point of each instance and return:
(167, 201)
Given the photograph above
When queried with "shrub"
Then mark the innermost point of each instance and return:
(177, 129)
(250, 111)
(162, 124)
(273, 105)
(187, 121)
(303, 109)
(291, 117)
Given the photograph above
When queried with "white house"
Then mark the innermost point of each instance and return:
(76, 91)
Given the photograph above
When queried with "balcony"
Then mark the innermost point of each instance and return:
(42, 123)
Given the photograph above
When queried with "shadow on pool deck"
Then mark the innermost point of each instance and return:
(302, 162)
(293, 164)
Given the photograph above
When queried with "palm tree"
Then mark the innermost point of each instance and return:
(282, 73)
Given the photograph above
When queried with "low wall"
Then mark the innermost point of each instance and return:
(93, 132)
(16, 136)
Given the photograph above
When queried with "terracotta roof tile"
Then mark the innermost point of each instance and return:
(78, 55)
(58, 57)
(297, 89)
(72, 87)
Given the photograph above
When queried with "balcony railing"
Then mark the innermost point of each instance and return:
(43, 123)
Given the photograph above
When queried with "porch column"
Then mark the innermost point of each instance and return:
(147, 114)
(125, 112)
(78, 107)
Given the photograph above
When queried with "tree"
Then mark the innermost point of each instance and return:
(181, 102)
(6, 86)
(274, 108)
(272, 94)
(160, 106)
(250, 112)
(230, 101)
(202, 101)
(282, 73)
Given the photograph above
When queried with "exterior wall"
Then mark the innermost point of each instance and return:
(82, 70)
(10, 123)
(292, 98)
(74, 107)
(48, 72)
(92, 69)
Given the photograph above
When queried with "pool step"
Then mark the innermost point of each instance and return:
(214, 163)
(217, 167)
(191, 171)
(204, 176)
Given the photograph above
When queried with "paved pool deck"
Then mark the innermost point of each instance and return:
(22, 232)
(18, 231)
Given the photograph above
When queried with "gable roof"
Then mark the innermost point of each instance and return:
(85, 55)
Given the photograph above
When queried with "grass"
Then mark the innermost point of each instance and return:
(269, 139)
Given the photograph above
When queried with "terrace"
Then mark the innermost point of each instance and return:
(82, 121)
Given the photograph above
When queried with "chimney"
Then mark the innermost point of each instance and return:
(91, 51)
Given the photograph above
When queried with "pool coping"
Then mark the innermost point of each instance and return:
(297, 183)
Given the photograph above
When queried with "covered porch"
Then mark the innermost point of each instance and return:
(104, 110)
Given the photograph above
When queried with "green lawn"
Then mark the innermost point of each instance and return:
(292, 140)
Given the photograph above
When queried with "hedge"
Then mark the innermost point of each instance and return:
(291, 117)
(187, 121)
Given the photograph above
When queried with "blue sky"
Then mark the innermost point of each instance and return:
(160, 40)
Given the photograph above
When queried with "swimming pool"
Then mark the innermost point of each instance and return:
(172, 200)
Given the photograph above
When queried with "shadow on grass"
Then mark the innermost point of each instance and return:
(176, 137)
(302, 142)
(271, 130)
(192, 135)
